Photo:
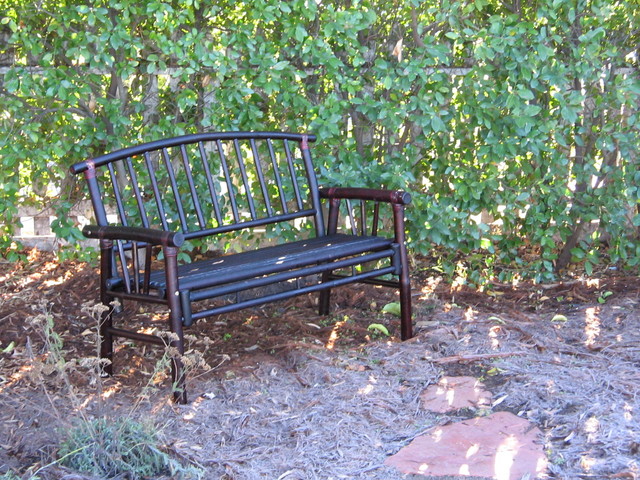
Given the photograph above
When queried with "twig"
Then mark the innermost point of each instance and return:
(550, 286)
(475, 358)
(367, 469)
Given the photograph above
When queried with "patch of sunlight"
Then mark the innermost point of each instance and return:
(494, 332)
(472, 450)
(505, 457)
(450, 396)
(591, 325)
(587, 463)
(366, 390)
(16, 377)
(469, 315)
(430, 287)
(591, 427)
(593, 282)
(34, 277)
(334, 334)
(148, 330)
(109, 392)
(369, 388)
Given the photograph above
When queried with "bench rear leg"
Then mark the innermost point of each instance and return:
(325, 297)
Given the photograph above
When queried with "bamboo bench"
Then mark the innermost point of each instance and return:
(198, 188)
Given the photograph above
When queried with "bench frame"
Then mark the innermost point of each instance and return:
(126, 248)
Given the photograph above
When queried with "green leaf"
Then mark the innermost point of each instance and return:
(569, 114)
(9, 348)
(280, 65)
(588, 268)
(603, 296)
(378, 327)
(486, 243)
(437, 124)
(392, 308)
(526, 94)
(300, 33)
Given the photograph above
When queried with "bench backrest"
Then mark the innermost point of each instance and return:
(208, 183)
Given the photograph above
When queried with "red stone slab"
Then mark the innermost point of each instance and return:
(454, 393)
(500, 446)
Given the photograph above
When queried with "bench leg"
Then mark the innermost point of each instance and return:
(325, 297)
(106, 340)
(406, 324)
(178, 375)
(106, 317)
(175, 324)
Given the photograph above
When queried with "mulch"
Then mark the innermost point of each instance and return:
(277, 391)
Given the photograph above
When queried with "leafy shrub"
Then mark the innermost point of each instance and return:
(514, 125)
(13, 476)
(110, 448)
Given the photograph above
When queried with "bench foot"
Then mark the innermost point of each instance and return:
(178, 382)
(106, 343)
(180, 398)
(406, 324)
(324, 298)
(178, 373)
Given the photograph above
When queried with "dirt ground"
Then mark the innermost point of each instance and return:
(287, 394)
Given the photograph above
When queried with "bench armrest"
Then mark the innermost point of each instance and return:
(134, 234)
(390, 196)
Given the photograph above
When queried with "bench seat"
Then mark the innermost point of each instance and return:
(243, 271)
(274, 259)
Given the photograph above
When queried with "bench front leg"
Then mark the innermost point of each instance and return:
(106, 317)
(406, 324)
(175, 325)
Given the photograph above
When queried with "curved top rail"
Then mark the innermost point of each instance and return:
(183, 140)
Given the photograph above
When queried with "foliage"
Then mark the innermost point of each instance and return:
(379, 329)
(514, 126)
(110, 448)
(104, 445)
(12, 476)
